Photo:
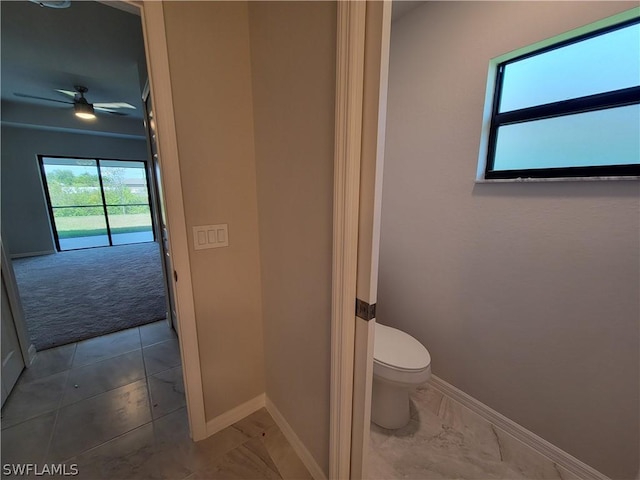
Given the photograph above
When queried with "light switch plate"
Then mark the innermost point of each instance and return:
(210, 236)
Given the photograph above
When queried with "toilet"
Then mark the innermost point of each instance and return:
(400, 363)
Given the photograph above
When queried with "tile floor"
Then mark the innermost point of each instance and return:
(115, 407)
(445, 440)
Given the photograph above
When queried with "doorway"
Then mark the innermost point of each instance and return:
(88, 387)
(83, 183)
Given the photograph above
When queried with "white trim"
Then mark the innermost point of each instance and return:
(553, 453)
(234, 415)
(556, 179)
(362, 391)
(314, 469)
(374, 110)
(348, 131)
(157, 55)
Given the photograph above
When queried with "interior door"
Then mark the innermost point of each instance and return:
(161, 220)
(15, 348)
(12, 362)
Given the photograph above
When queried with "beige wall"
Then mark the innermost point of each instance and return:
(209, 57)
(293, 62)
(526, 295)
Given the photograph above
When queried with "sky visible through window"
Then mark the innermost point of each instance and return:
(135, 170)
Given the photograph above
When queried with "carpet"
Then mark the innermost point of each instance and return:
(75, 295)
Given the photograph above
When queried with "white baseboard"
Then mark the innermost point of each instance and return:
(555, 454)
(316, 472)
(235, 414)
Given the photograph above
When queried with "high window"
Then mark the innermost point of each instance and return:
(567, 108)
(97, 203)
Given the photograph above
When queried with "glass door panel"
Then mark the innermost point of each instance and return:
(96, 203)
(127, 198)
(72, 182)
(75, 198)
(81, 227)
(130, 224)
(125, 183)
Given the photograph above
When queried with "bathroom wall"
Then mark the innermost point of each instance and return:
(26, 227)
(526, 295)
(209, 58)
(293, 71)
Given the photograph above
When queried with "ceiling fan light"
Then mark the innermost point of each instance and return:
(84, 111)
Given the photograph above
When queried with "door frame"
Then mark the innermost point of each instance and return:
(345, 343)
(363, 41)
(153, 165)
(348, 132)
(157, 57)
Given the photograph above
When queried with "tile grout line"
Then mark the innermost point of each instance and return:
(62, 395)
(146, 379)
(94, 364)
(117, 437)
(150, 422)
(123, 433)
(67, 382)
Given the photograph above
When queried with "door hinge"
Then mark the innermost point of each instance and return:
(175, 276)
(364, 310)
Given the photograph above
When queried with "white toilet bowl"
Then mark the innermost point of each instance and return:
(400, 363)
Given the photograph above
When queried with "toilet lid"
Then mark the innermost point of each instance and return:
(398, 349)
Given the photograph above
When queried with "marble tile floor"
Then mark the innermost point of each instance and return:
(115, 407)
(445, 440)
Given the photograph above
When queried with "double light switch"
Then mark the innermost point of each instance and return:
(210, 236)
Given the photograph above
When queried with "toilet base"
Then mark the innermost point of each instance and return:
(390, 405)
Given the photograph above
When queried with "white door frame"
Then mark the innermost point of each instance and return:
(155, 42)
(348, 133)
(347, 160)
(361, 96)
(157, 55)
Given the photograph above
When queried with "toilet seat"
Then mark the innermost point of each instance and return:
(398, 350)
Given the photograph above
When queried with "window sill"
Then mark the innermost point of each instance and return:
(563, 179)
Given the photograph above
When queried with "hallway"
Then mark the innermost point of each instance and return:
(115, 407)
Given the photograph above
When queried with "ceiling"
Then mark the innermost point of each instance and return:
(401, 7)
(89, 44)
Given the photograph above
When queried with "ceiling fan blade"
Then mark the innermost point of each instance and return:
(114, 105)
(41, 98)
(67, 92)
(106, 110)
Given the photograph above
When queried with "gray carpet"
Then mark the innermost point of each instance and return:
(74, 295)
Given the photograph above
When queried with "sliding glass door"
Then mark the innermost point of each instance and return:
(126, 195)
(97, 203)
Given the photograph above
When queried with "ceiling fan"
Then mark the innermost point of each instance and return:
(81, 106)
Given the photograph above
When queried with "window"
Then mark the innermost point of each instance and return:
(568, 107)
(97, 203)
